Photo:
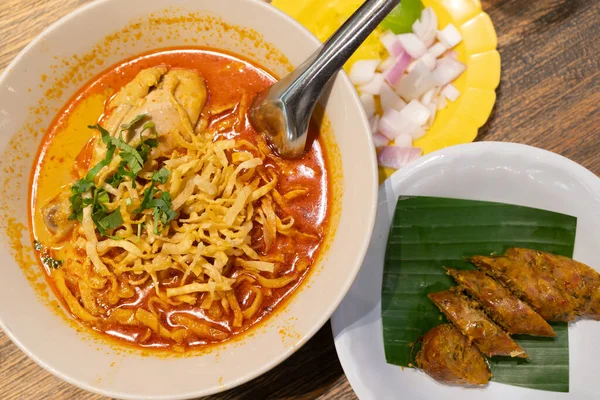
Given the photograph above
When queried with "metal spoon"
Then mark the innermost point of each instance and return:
(282, 112)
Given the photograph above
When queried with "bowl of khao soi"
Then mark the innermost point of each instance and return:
(146, 225)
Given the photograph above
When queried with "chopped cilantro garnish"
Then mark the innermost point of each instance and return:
(133, 122)
(161, 175)
(133, 161)
(112, 220)
(161, 205)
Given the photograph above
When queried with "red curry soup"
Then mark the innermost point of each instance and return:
(160, 216)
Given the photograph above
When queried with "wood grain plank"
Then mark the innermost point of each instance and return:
(548, 97)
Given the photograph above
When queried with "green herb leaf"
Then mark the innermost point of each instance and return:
(133, 122)
(129, 154)
(111, 221)
(81, 186)
(105, 134)
(430, 233)
(148, 195)
(161, 175)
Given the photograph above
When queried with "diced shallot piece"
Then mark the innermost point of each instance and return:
(449, 36)
(393, 123)
(429, 60)
(442, 103)
(417, 112)
(368, 102)
(437, 50)
(363, 71)
(395, 72)
(403, 140)
(374, 86)
(412, 44)
(391, 43)
(397, 157)
(374, 123)
(416, 83)
(390, 100)
(418, 133)
(386, 64)
(450, 92)
(379, 140)
(433, 110)
(447, 70)
(426, 26)
(430, 96)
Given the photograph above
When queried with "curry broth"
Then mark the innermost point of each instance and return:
(63, 151)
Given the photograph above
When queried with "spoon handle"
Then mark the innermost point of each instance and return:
(334, 53)
(310, 79)
(284, 110)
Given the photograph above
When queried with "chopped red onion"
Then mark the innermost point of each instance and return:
(374, 123)
(379, 140)
(395, 72)
(429, 60)
(433, 110)
(391, 43)
(429, 97)
(450, 92)
(412, 44)
(386, 64)
(418, 133)
(368, 102)
(393, 124)
(363, 71)
(449, 36)
(447, 70)
(416, 112)
(437, 50)
(397, 157)
(374, 86)
(442, 103)
(403, 140)
(425, 27)
(416, 83)
(390, 100)
(450, 54)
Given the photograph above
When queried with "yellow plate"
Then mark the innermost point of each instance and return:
(460, 121)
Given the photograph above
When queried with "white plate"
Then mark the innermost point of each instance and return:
(502, 172)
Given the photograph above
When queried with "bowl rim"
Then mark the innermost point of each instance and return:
(327, 312)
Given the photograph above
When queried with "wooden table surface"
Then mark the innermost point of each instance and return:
(549, 97)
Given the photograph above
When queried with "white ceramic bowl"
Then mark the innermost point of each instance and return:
(41, 80)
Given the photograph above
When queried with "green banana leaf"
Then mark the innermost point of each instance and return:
(429, 233)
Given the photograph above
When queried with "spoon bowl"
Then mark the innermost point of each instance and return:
(282, 112)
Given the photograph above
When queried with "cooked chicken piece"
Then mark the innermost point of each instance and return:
(56, 216)
(516, 316)
(489, 338)
(448, 357)
(533, 285)
(172, 100)
(578, 281)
